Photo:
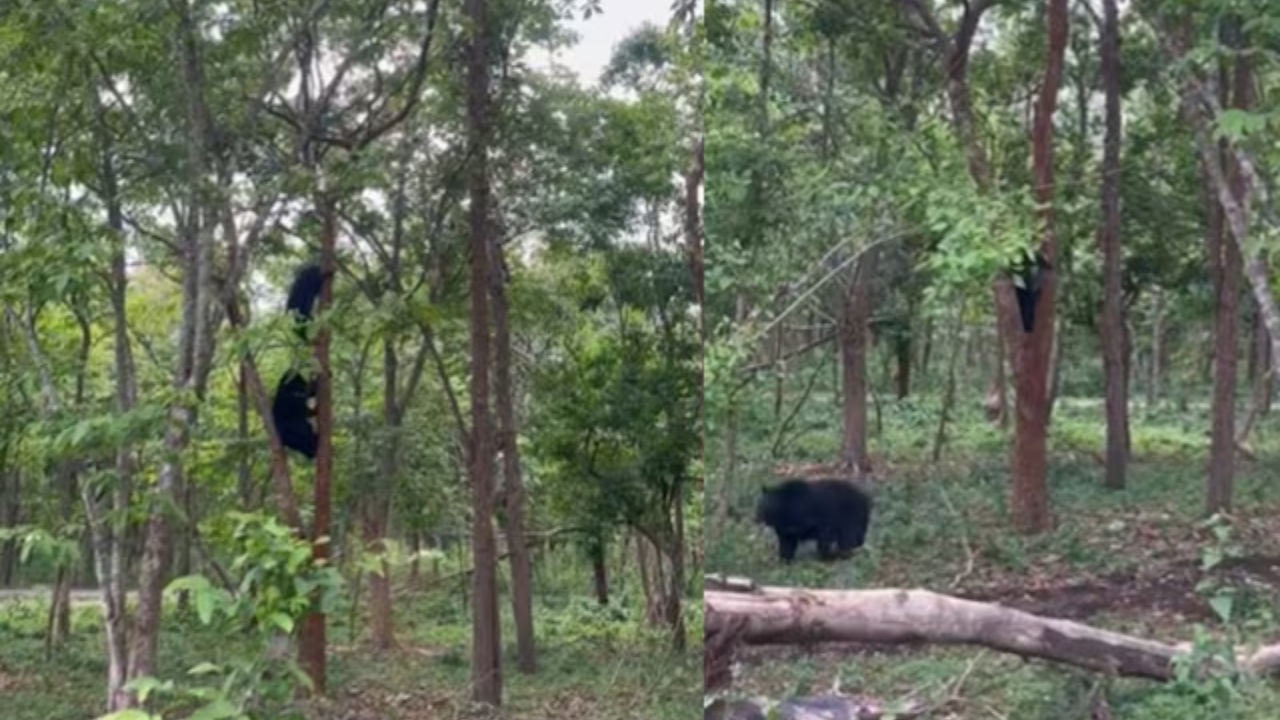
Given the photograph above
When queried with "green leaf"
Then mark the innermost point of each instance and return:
(219, 709)
(1222, 606)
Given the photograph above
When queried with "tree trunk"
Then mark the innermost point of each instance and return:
(600, 573)
(1157, 347)
(1264, 381)
(675, 589)
(1225, 266)
(902, 354)
(1029, 502)
(955, 54)
(244, 470)
(108, 530)
(376, 505)
(195, 348)
(381, 609)
(1055, 370)
(513, 482)
(854, 331)
(312, 640)
(10, 514)
(926, 351)
(693, 225)
(486, 678)
(1112, 326)
(1200, 107)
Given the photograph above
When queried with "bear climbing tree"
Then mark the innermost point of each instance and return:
(290, 408)
(833, 513)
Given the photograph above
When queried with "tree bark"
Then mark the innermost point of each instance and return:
(693, 225)
(1264, 381)
(675, 589)
(1113, 323)
(486, 679)
(1029, 500)
(784, 616)
(1156, 367)
(600, 573)
(195, 348)
(855, 332)
(312, 641)
(1225, 266)
(1199, 107)
(513, 481)
(377, 505)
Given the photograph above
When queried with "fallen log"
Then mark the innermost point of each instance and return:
(817, 707)
(780, 615)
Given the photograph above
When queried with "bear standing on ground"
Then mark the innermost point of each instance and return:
(290, 408)
(830, 512)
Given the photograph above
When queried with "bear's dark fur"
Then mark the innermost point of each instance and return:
(292, 413)
(833, 513)
(303, 293)
(290, 408)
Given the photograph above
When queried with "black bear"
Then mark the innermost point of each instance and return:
(303, 294)
(834, 513)
(292, 413)
(1028, 282)
(290, 408)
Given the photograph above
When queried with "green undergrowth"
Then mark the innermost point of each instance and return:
(593, 662)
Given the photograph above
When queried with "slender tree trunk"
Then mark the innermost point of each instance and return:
(10, 513)
(109, 534)
(600, 573)
(377, 505)
(675, 589)
(513, 481)
(1029, 463)
(244, 473)
(902, 354)
(926, 350)
(312, 636)
(195, 348)
(854, 332)
(1055, 370)
(1200, 108)
(1112, 326)
(693, 224)
(1264, 381)
(1156, 371)
(486, 678)
(1226, 265)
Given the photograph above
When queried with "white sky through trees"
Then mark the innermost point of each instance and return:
(598, 36)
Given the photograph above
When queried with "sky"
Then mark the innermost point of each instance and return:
(597, 36)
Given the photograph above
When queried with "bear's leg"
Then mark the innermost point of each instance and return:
(787, 547)
(826, 544)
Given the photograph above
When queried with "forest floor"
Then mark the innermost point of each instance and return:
(1128, 560)
(598, 663)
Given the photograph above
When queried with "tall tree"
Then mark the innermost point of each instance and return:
(486, 679)
(1031, 352)
(1112, 326)
(1226, 268)
(192, 366)
(512, 481)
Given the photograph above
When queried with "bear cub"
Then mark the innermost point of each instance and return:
(833, 513)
